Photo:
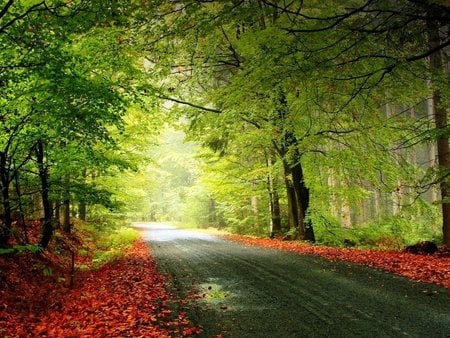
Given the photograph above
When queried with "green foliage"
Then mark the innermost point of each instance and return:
(112, 244)
(386, 233)
(342, 93)
(46, 271)
(18, 249)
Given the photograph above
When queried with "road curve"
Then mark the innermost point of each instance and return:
(258, 292)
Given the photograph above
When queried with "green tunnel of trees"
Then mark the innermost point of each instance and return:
(327, 120)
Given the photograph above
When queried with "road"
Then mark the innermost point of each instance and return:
(259, 292)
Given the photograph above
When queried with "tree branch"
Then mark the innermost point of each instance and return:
(190, 104)
(21, 16)
(5, 9)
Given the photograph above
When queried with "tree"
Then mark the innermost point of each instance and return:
(336, 68)
(375, 43)
(71, 88)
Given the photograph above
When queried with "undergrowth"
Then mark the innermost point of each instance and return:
(112, 245)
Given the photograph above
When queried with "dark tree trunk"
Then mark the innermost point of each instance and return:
(297, 192)
(47, 227)
(20, 206)
(298, 202)
(82, 211)
(441, 121)
(57, 214)
(66, 216)
(305, 229)
(290, 194)
(6, 217)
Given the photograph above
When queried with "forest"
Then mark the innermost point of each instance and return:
(311, 120)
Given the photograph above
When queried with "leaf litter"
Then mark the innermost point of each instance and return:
(126, 298)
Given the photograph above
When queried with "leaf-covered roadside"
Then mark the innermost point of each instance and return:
(423, 268)
(125, 298)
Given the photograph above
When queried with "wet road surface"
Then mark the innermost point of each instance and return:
(258, 292)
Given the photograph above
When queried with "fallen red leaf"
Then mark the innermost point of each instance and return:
(127, 298)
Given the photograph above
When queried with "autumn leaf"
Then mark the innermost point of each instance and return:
(424, 268)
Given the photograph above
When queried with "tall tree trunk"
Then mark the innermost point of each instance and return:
(57, 214)
(441, 121)
(20, 205)
(274, 201)
(298, 201)
(66, 215)
(275, 211)
(432, 146)
(254, 205)
(82, 211)
(6, 218)
(297, 192)
(302, 194)
(47, 227)
(291, 199)
(82, 203)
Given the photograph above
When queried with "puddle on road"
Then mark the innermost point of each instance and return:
(213, 293)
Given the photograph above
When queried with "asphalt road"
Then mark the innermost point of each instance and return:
(258, 292)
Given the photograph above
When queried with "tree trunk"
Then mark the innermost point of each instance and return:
(82, 203)
(66, 215)
(276, 211)
(254, 205)
(298, 201)
(6, 218)
(57, 214)
(20, 205)
(441, 121)
(305, 229)
(290, 194)
(82, 211)
(47, 227)
(274, 202)
(297, 192)
(434, 191)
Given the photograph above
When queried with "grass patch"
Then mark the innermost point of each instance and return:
(112, 245)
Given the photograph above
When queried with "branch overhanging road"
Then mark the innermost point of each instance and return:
(259, 292)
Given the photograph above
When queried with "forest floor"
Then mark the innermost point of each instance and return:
(127, 297)
(131, 297)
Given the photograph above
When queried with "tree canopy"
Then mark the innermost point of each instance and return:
(317, 119)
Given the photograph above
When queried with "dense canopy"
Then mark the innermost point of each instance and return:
(323, 120)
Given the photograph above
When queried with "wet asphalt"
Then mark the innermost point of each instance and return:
(244, 291)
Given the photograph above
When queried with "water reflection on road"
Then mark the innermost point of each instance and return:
(159, 232)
